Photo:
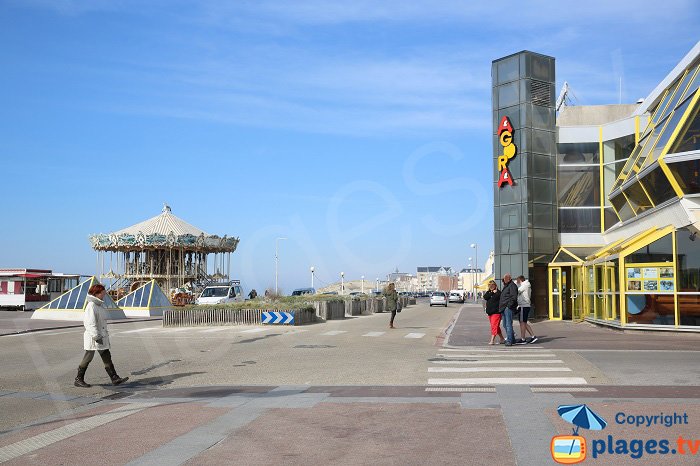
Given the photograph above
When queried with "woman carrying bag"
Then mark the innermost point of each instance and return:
(96, 337)
(492, 297)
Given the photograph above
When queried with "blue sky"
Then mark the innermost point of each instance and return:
(359, 130)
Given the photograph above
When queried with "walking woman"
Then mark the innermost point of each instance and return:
(96, 337)
(392, 300)
(492, 298)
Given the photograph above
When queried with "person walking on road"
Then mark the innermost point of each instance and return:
(508, 304)
(524, 300)
(392, 301)
(492, 298)
(96, 337)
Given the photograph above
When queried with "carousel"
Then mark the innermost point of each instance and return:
(166, 249)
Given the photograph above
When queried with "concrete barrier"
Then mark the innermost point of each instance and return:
(193, 317)
(330, 310)
(375, 305)
(355, 307)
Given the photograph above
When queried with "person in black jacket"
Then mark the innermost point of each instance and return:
(492, 298)
(507, 305)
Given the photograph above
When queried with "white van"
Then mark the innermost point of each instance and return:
(222, 293)
(457, 296)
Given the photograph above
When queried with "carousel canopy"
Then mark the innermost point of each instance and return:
(163, 231)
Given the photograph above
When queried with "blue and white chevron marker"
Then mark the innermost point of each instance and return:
(278, 317)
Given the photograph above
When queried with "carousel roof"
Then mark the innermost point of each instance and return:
(163, 224)
(163, 231)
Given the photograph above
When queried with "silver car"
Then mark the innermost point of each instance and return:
(438, 298)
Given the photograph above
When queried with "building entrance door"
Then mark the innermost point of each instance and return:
(577, 295)
(555, 293)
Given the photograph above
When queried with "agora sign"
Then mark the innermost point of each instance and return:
(505, 136)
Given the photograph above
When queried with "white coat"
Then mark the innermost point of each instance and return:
(524, 294)
(95, 324)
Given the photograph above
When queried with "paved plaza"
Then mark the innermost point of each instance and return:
(342, 392)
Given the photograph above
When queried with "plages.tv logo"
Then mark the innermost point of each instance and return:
(572, 449)
(505, 137)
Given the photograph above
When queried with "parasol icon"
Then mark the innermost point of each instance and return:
(581, 416)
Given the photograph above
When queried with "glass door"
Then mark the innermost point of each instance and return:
(577, 295)
(555, 293)
(599, 296)
(610, 292)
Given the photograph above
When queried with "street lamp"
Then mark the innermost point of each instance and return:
(472, 274)
(342, 282)
(363, 284)
(377, 289)
(476, 261)
(312, 276)
(277, 259)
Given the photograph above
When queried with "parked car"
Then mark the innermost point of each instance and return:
(438, 298)
(303, 291)
(456, 297)
(221, 293)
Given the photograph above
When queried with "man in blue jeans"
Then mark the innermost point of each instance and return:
(508, 303)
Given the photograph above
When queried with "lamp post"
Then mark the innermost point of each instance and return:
(342, 283)
(312, 276)
(377, 289)
(476, 261)
(472, 273)
(277, 259)
(363, 284)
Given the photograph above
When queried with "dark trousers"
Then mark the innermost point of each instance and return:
(89, 354)
(393, 316)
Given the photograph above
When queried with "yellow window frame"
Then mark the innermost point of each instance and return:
(681, 124)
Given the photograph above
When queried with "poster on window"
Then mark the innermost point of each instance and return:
(651, 272)
(666, 285)
(651, 285)
(666, 272)
(634, 285)
(634, 273)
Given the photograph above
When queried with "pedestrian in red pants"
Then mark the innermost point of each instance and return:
(492, 297)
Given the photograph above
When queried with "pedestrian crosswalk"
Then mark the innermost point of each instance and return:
(482, 366)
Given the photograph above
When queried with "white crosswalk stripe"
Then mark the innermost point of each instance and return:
(498, 369)
(373, 334)
(333, 333)
(499, 366)
(511, 381)
(415, 335)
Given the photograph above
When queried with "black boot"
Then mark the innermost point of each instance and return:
(80, 379)
(116, 380)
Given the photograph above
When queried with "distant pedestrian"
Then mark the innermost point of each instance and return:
(392, 302)
(508, 304)
(253, 294)
(524, 304)
(492, 298)
(96, 337)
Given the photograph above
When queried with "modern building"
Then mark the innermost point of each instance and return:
(428, 277)
(599, 205)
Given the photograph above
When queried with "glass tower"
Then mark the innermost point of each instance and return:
(525, 206)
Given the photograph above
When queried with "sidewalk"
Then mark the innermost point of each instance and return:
(472, 328)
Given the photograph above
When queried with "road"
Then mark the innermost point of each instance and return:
(342, 392)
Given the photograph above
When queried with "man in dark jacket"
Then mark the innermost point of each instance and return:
(507, 304)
